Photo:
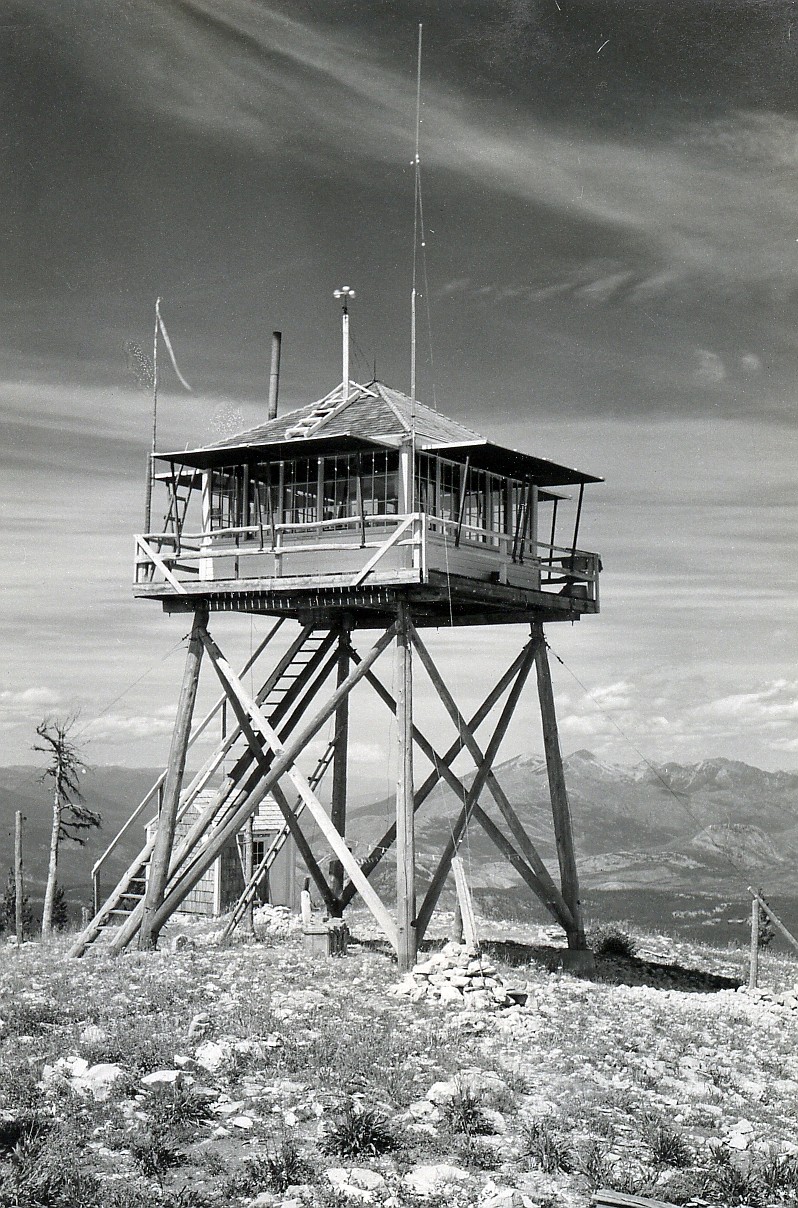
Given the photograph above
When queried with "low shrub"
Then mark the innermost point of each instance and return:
(609, 939)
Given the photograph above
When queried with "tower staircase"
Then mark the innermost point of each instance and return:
(305, 661)
(276, 846)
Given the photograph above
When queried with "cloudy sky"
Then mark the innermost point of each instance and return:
(612, 248)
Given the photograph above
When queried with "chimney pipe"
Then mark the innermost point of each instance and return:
(274, 376)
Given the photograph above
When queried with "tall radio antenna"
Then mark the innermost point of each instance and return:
(416, 204)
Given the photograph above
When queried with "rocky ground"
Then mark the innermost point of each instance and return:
(259, 1074)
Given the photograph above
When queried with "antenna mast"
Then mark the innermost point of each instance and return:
(416, 203)
(151, 459)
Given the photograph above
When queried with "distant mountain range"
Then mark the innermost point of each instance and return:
(667, 827)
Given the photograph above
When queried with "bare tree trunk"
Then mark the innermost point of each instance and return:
(52, 868)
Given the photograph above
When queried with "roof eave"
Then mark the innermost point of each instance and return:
(276, 450)
(484, 454)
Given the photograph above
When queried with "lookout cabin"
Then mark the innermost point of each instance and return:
(361, 499)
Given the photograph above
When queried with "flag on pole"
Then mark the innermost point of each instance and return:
(170, 350)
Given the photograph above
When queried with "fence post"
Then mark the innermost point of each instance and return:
(19, 902)
(753, 971)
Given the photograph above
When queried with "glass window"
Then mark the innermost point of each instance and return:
(300, 491)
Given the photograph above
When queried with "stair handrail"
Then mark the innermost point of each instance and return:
(141, 807)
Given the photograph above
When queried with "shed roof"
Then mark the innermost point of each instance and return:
(372, 416)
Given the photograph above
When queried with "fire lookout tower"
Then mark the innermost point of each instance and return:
(363, 511)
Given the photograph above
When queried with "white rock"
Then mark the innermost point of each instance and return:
(97, 1080)
(211, 1056)
(358, 1183)
(242, 1122)
(494, 1120)
(431, 1180)
(442, 1092)
(162, 1077)
(450, 993)
(502, 1197)
(424, 1109)
(93, 1035)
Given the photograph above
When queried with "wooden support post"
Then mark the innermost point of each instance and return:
(405, 816)
(19, 881)
(159, 864)
(340, 761)
(753, 972)
(561, 810)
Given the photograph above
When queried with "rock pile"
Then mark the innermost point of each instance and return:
(459, 976)
(774, 998)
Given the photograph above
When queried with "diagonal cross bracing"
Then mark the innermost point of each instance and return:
(442, 871)
(386, 841)
(517, 829)
(543, 887)
(232, 824)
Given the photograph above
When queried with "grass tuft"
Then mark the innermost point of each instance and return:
(355, 1131)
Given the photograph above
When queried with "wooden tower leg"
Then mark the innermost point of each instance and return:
(159, 865)
(405, 815)
(560, 808)
(340, 761)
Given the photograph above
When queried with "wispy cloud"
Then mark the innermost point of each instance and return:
(251, 74)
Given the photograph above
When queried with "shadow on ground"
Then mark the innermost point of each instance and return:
(615, 970)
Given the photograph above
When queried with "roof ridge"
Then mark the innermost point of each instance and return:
(392, 406)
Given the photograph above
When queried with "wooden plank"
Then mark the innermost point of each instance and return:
(159, 864)
(560, 808)
(465, 902)
(405, 814)
(383, 549)
(150, 554)
(312, 803)
(203, 775)
(185, 882)
(621, 1199)
(289, 816)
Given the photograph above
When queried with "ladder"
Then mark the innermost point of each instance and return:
(284, 685)
(276, 846)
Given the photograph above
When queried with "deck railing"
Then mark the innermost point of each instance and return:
(417, 536)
